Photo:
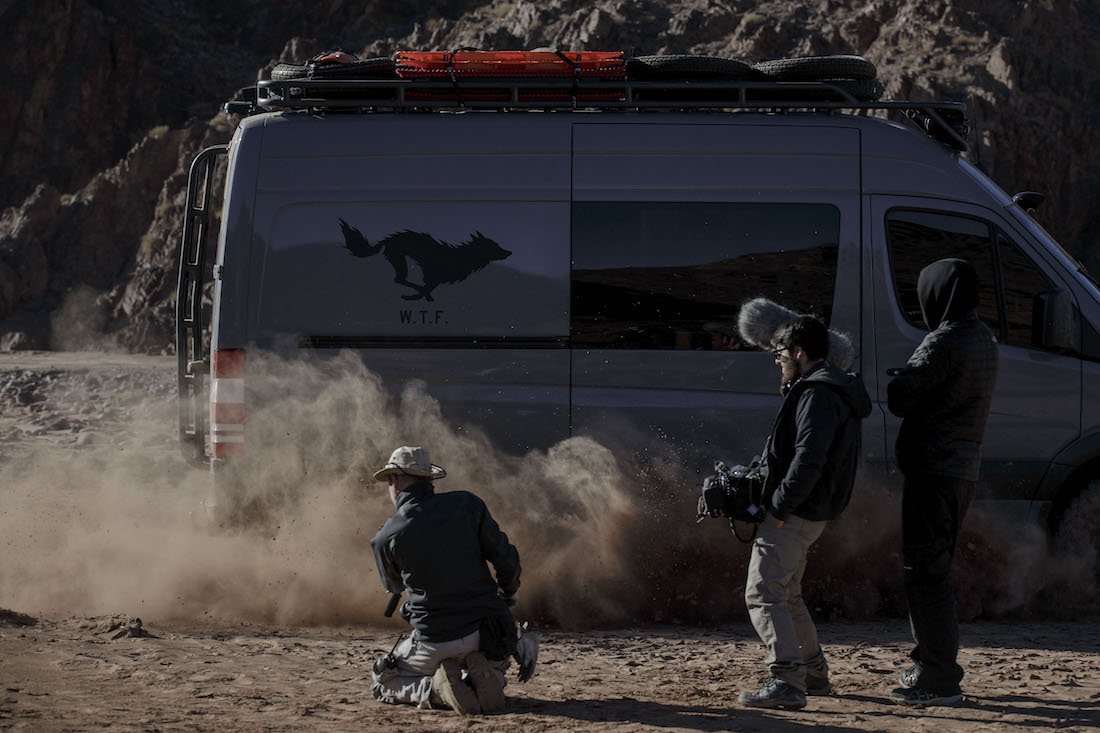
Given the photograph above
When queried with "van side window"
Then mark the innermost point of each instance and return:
(916, 239)
(1023, 284)
(1029, 296)
(671, 275)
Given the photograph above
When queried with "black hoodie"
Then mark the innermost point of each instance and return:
(814, 447)
(945, 391)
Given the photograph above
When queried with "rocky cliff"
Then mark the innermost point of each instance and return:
(112, 99)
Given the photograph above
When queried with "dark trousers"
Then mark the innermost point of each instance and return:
(932, 510)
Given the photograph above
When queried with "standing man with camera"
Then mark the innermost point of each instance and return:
(943, 396)
(438, 548)
(811, 460)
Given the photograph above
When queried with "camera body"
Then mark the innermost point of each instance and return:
(736, 493)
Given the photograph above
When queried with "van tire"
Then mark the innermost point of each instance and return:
(375, 68)
(685, 67)
(285, 72)
(1078, 531)
(818, 68)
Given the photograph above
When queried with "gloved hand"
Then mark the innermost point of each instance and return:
(711, 503)
(527, 654)
(509, 600)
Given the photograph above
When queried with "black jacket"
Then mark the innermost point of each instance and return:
(945, 392)
(814, 446)
(435, 549)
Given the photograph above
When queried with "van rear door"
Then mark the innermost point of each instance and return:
(676, 225)
(435, 246)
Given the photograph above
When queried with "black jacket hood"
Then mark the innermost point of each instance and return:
(947, 290)
(849, 385)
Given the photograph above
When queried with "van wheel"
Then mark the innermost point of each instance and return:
(376, 68)
(818, 68)
(1078, 531)
(284, 72)
(685, 67)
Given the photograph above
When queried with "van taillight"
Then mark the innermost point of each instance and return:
(227, 403)
(229, 364)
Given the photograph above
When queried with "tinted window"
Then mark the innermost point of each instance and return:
(916, 239)
(1028, 296)
(1023, 283)
(674, 275)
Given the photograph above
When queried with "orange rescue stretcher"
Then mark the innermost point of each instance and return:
(470, 64)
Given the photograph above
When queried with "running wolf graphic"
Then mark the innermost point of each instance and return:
(440, 262)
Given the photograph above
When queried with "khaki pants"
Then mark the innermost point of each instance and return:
(417, 660)
(773, 594)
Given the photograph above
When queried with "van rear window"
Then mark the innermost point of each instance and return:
(672, 275)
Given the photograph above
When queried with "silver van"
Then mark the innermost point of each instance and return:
(571, 267)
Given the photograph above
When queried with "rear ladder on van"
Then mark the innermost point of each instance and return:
(192, 360)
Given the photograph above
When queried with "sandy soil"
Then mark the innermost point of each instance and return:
(274, 627)
(71, 675)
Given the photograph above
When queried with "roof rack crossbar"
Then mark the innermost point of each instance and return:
(944, 121)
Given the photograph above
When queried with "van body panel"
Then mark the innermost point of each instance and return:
(900, 161)
(625, 244)
(1090, 400)
(707, 161)
(678, 192)
(232, 302)
(519, 397)
(466, 201)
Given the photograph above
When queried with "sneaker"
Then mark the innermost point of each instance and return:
(775, 694)
(919, 697)
(453, 690)
(908, 677)
(486, 684)
(816, 686)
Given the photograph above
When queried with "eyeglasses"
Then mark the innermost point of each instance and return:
(779, 351)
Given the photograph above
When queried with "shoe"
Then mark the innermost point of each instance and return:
(486, 684)
(908, 677)
(818, 686)
(919, 697)
(447, 682)
(774, 694)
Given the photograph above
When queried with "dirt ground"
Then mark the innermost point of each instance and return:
(61, 675)
(275, 628)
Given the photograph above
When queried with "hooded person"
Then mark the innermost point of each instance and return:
(943, 396)
(810, 460)
(437, 548)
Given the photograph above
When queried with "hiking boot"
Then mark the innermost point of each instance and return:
(775, 694)
(453, 690)
(486, 684)
(908, 677)
(818, 686)
(919, 697)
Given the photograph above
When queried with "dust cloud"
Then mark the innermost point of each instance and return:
(606, 533)
(79, 324)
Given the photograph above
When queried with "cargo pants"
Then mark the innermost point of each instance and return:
(410, 680)
(773, 594)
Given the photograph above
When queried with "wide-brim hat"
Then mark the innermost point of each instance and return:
(410, 461)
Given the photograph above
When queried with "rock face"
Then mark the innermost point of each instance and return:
(120, 95)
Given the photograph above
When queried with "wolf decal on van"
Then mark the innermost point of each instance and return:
(439, 262)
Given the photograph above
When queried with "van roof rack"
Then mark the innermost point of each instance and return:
(943, 121)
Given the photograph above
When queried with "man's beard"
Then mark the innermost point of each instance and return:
(790, 371)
